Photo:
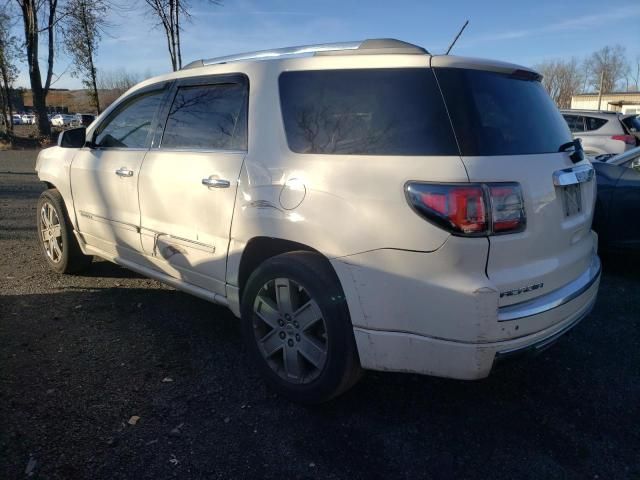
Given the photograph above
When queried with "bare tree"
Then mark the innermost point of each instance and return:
(8, 70)
(83, 26)
(30, 10)
(608, 65)
(633, 76)
(170, 14)
(562, 79)
(113, 83)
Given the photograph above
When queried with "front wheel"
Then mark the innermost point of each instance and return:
(297, 328)
(55, 232)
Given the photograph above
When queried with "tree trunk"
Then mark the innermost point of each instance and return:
(6, 104)
(92, 67)
(30, 18)
(178, 47)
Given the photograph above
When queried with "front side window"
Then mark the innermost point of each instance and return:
(131, 124)
(365, 112)
(208, 117)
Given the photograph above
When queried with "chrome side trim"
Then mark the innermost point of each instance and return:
(553, 299)
(571, 176)
(116, 223)
(185, 242)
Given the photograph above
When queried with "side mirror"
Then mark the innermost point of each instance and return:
(635, 164)
(72, 138)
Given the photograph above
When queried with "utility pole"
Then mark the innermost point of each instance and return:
(600, 91)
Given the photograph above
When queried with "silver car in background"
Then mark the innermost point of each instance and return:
(602, 132)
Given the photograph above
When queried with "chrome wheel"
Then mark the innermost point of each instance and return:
(50, 232)
(290, 331)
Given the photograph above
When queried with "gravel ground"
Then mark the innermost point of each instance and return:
(82, 355)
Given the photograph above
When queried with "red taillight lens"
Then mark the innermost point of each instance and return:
(628, 139)
(463, 209)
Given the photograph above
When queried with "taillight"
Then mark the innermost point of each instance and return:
(628, 139)
(470, 209)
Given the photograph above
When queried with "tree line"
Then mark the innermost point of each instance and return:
(607, 70)
(75, 28)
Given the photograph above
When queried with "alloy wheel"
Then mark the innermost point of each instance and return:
(290, 331)
(50, 232)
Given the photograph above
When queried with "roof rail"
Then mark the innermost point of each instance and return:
(366, 47)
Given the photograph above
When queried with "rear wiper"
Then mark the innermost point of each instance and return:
(575, 148)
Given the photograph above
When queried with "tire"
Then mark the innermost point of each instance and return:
(305, 359)
(55, 233)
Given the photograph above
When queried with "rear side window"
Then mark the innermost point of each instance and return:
(499, 114)
(575, 122)
(208, 117)
(130, 125)
(593, 123)
(365, 112)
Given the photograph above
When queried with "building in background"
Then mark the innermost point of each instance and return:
(624, 102)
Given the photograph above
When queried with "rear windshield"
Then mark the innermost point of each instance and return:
(632, 123)
(497, 114)
(372, 112)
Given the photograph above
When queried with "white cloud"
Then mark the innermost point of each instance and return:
(572, 24)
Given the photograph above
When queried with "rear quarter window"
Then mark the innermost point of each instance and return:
(594, 123)
(365, 112)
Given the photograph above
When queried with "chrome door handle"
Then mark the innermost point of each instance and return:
(216, 182)
(124, 172)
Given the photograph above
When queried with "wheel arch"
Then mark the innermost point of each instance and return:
(261, 248)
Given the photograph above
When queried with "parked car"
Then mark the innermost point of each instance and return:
(618, 204)
(85, 119)
(28, 119)
(62, 120)
(17, 119)
(601, 131)
(401, 212)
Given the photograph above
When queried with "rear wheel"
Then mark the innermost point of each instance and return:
(55, 232)
(297, 328)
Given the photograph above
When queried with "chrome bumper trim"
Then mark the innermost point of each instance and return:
(543, 344)
(553, 299)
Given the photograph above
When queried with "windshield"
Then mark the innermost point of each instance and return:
(498, 114)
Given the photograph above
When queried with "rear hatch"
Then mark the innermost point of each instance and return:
(632, 124)
(509, 130)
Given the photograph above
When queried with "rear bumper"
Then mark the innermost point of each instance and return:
(436, 322)
(406, 352)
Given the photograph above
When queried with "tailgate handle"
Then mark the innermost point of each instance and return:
(571, 176)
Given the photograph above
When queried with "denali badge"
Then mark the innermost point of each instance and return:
(518, 291)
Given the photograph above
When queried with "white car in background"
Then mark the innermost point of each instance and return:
(356, 210)
(603, 132)
(28, 119)
(62, 120)
(16, 119)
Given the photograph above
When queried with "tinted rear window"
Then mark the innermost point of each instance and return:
(632, 123)
(372, 112)
(496, 114)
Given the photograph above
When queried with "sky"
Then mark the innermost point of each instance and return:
(523, 32)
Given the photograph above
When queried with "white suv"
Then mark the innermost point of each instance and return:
(362, 205)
